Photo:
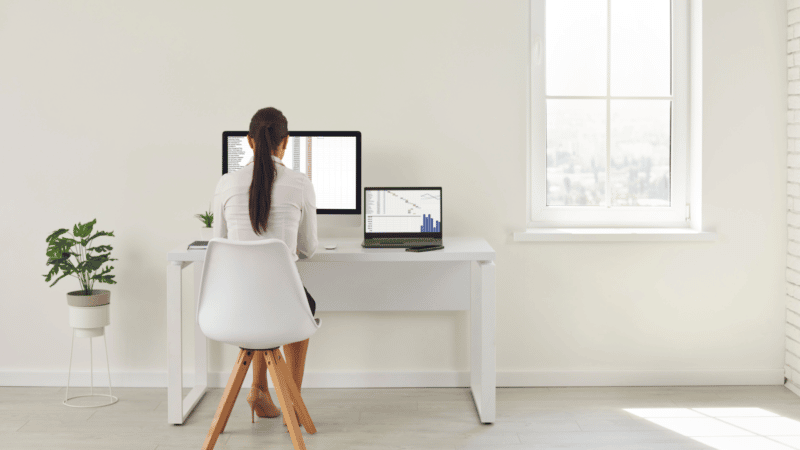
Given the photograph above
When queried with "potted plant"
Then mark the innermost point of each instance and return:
(206, 233)
(71, 255)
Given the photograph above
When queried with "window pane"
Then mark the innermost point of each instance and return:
(576, 152)
(640, 47)
(576, 47)
(640, 152)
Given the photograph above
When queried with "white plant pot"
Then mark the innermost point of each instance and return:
(206, 233)
(89, 314)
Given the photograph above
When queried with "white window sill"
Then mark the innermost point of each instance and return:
(614, 235)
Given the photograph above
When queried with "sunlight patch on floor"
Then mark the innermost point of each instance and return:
(728, 428)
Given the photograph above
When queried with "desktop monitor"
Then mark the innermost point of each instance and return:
(330, 159)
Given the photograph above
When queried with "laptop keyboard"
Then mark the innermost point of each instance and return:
(402, 242)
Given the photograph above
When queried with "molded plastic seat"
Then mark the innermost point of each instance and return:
(251, 295)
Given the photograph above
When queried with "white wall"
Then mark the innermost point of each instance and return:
(115, 111)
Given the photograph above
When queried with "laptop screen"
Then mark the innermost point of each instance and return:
(403, 210)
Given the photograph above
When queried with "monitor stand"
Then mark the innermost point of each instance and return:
(338, 221)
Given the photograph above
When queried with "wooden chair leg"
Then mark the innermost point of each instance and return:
(285, 399)
(228, 398)
(235, 395)
(297, 400)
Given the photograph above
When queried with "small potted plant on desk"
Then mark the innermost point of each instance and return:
(206, 233)
(88, 308)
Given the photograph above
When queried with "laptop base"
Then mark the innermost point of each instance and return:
(400, 243)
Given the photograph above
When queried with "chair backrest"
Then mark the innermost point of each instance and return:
(251, 295)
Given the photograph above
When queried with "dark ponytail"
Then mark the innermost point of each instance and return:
(268, 128)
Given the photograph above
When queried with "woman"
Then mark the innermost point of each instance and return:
(266, 200)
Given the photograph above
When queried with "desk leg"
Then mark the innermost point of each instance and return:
(174, 341)
(483, 360)
(200, 341)
(178, 407)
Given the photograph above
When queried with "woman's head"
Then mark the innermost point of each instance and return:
(268, 130)
(269, 133)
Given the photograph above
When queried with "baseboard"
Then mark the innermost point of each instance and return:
(559, 378)
(219, 379)
(553, 378)
(792, 387)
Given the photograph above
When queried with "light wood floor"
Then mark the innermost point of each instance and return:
(380, 419)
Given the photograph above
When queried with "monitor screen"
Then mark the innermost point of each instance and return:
(403, 210)
(330, 159)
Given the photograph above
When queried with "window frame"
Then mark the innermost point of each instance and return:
(539, 215)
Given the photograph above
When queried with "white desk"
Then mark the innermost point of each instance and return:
(459, 278)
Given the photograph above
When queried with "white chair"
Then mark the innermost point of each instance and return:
(251, 296)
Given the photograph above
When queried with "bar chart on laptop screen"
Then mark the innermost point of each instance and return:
(403, 211)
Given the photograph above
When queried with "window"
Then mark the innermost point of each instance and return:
(609, 113)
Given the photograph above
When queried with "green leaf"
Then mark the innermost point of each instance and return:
(90, 265)
(53, 271)
(207, 218)
(56, 234)
(83, 230)
(54, 282)
(59, 259)
(100, 233)
(106, 270)
(50, 274)
(109, 279)
(88, 227)
(63, 264)
(65, 243)
(100, 248)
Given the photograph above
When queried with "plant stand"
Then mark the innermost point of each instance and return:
(111, 399)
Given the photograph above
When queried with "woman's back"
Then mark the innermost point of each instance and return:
(267, 200)
(292, 212)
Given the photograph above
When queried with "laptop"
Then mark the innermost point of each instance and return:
(402, 217)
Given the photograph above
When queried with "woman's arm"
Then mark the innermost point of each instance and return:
(307, 232)
(219, 225)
